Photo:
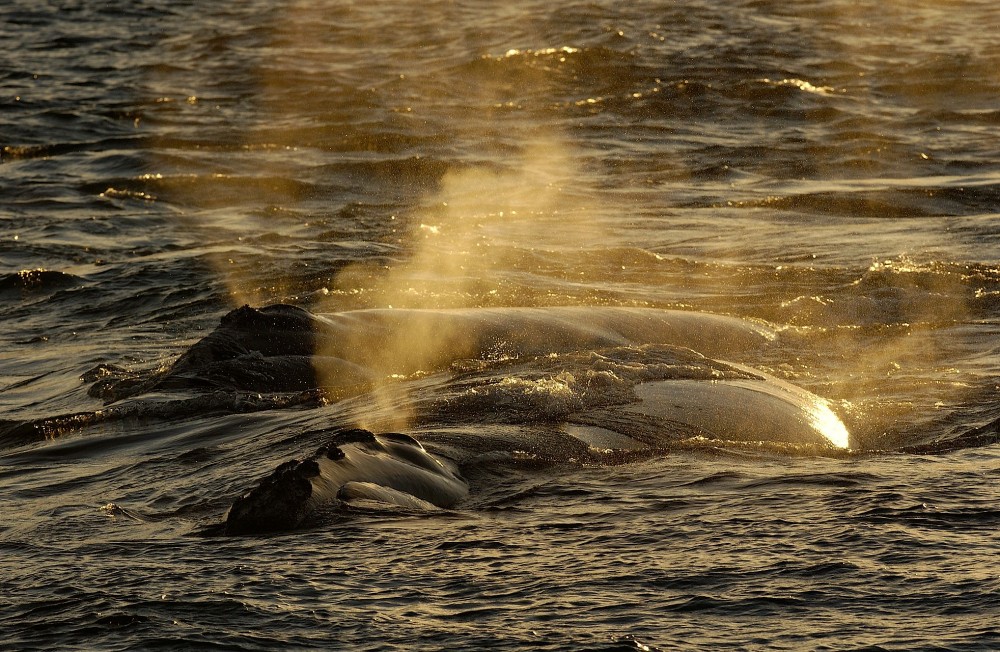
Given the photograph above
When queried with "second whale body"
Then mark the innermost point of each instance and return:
(281, 348)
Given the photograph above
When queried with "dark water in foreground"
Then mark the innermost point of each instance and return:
(829, 170)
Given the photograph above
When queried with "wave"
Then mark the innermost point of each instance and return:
(37, 281)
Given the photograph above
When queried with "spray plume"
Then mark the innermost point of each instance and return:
(462, 244)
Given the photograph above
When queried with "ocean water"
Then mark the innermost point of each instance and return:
(827, 170)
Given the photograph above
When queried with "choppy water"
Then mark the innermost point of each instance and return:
(830, 168)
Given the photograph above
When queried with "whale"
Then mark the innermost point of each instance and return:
(356, 468)
(591, 385)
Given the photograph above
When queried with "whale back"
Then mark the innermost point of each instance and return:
(403, 341)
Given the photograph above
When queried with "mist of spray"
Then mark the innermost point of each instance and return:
(462, 244)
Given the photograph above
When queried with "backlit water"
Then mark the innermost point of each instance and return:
(829, 167)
